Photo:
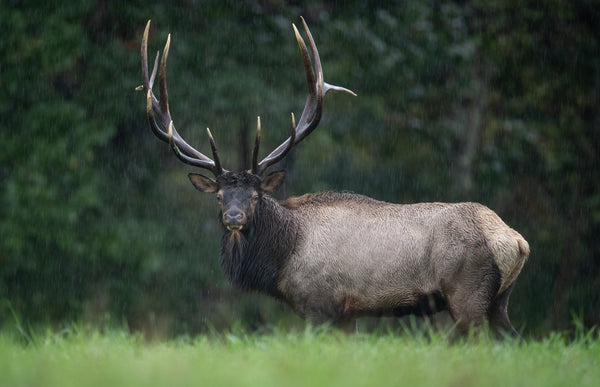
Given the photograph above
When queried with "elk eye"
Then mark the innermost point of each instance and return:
(219, 198)
(254, 198)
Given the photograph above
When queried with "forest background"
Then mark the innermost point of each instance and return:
(489, 101)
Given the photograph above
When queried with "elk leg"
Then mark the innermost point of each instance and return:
(347, 326)
(498, 315)
(469, 305)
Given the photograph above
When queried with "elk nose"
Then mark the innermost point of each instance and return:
(234, 220)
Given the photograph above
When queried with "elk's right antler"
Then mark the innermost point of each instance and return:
(313, 109)
(163, 128)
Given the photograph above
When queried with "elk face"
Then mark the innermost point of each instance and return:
(237, 194)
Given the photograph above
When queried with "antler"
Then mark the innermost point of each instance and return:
(163, 128)
(313, 109)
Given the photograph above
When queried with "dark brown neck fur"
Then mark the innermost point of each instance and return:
(253, 257)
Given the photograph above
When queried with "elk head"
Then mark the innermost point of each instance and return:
(237, 192)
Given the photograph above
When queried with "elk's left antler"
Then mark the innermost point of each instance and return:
(313, 109)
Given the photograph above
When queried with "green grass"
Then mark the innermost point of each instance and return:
(309, 358)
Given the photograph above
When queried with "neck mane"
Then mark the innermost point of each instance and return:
(251, 259)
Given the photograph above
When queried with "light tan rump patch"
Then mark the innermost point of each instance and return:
(510, 249)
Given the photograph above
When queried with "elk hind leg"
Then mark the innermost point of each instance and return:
(498, 315)
(469, 305)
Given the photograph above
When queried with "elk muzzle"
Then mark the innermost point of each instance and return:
(234, 219)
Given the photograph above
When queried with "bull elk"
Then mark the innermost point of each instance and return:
(337, 256)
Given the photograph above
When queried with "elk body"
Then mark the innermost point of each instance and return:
(337, 256)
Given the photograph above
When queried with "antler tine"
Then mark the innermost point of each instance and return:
(258, 169)
(162, 79)
(160, 109)
(255, 169)
(313, 108)
(213, 147)
(144, 53)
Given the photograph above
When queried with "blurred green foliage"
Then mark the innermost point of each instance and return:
(490, 101)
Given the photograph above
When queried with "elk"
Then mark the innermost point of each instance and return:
(333, 257)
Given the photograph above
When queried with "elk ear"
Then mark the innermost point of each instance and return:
(272, 181)
(203, 183)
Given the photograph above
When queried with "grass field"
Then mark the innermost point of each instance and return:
(309, 358)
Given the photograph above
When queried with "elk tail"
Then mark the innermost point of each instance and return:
(523, 248)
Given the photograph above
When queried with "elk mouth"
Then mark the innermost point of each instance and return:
(234, 227)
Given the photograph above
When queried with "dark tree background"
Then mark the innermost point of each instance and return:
(489, 101)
